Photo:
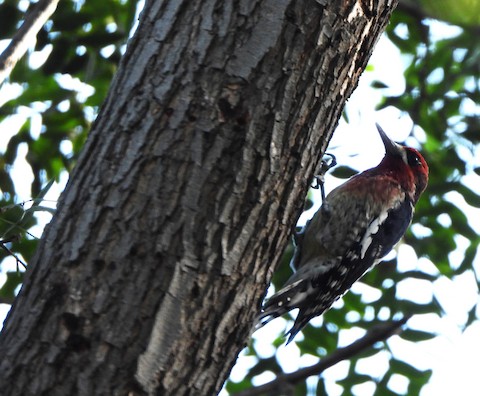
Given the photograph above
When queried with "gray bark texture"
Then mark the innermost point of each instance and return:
(149, 277)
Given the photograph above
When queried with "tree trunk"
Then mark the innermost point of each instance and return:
(149, 276)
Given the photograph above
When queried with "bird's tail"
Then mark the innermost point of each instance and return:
(294, 295)
(288, 298)
(300, 322)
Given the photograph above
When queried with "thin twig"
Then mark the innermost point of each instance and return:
(283, 381)
(19, 261)
(23, 38)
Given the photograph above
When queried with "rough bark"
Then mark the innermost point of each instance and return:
(149, 276)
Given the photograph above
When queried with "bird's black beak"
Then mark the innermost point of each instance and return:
(391, 147)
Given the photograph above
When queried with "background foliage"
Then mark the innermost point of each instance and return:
(51, 99)
(60, 85)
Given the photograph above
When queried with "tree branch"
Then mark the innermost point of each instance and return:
(6, 300)
(34, 20)
(378, 333)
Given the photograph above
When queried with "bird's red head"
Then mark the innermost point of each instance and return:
(406, 165)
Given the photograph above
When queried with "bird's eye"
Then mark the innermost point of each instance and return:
(413, 158)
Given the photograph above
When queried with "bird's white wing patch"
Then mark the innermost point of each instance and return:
(371, 230)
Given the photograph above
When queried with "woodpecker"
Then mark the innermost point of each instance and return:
(358, 223)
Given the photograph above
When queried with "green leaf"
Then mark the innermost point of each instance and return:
(406, 369)
(379, 85)
(9, 14)
(7, 291)
(420, 275)
(41, 195)
(27, 219)
(343, 172)
(417, 335)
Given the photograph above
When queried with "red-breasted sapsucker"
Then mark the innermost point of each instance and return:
(357, 225)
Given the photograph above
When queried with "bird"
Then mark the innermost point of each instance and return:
(357, 225)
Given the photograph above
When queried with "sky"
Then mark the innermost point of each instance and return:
(357, 144)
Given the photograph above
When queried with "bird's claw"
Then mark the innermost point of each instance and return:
(325, 166)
